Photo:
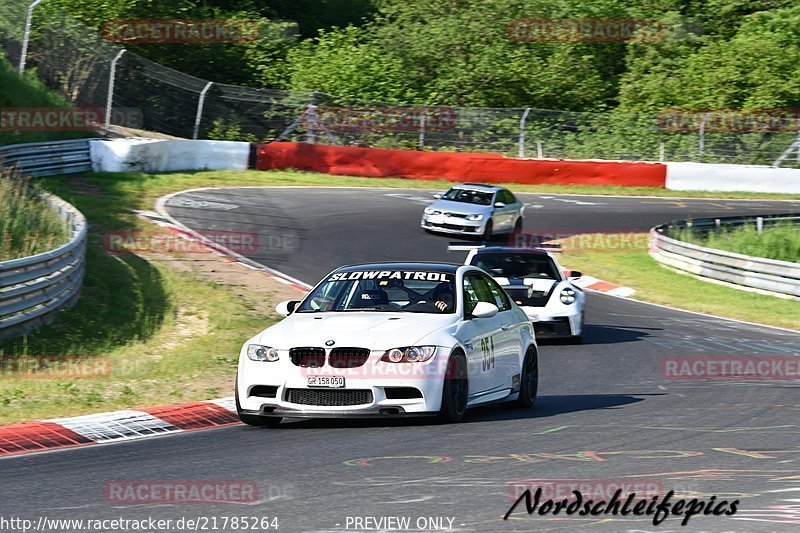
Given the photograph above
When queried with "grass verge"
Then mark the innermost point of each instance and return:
(780, 241)
(28, 225)
(633, 267)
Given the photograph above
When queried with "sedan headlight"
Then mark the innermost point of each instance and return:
(410, 354)
(567, 296)
(474, 217)
(431, 211)
(257, 352)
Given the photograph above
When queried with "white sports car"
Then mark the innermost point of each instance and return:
(390, 339)
(536, 282)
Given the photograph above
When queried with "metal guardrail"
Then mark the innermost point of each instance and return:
(48, 158)
(779, 278)
(34, 289)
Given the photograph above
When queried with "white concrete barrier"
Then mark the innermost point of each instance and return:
(152, 156)
(730, 178)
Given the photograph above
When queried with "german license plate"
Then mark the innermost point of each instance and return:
(334, 382)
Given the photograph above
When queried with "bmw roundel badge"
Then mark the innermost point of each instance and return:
(330, 343)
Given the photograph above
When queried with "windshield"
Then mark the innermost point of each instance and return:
(409, 291)
(468, 196)
(510, 266)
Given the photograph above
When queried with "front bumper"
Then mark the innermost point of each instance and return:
(555, 325)
(396, 412)
(380, 389)
(453, 225)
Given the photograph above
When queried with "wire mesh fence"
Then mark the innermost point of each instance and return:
(77, 63)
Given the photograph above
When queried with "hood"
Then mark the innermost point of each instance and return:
(461, 208)
(373, 330)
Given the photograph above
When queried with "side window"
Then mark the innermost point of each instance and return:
(499, 296)
(470, 295)
(476, 289)
(505, 197)
(511, 198)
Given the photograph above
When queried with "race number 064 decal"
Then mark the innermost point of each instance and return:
(487, 347)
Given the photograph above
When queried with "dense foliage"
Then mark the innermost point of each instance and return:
(708, 54)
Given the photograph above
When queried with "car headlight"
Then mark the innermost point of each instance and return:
(257, 352)
(474, 217)
(410, 354)
(567, 296)
(431, 211)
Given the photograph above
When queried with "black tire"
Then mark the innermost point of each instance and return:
(455, 390)
(487, 233)
(255, 420)
(529, 380)
(518, 225)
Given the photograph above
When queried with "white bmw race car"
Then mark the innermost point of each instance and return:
(390, 340)
(536, 282)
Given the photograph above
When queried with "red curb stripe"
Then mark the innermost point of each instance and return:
(197, 415)
(602, 286)
(36, 436)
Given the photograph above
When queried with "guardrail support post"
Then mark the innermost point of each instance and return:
(759, 225)
(200, 103)
(522, 132)
(23, 56)
(421, 142)
(702, 147)
(311, 118)
(110, 99)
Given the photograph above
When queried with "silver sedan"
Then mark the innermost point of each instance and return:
(474, 209)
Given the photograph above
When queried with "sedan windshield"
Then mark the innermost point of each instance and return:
(408, 291)
(509, 265)
(469, 196)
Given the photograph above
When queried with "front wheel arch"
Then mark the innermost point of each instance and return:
(454, 402)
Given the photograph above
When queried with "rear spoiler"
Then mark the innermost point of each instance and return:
(554, 247)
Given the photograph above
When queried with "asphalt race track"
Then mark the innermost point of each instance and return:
(604, 413)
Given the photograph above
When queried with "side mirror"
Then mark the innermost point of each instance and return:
(286, 307)
(485, 310)
(499, 204)
(437, 195)
(575, 274)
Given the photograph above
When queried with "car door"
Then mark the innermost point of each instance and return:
(517, 207)
(508, 342)
(480, 335)
(506, 213)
